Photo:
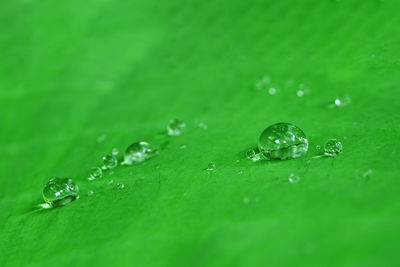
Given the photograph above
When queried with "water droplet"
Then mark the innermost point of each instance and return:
(211, 166)
(342, 101)
(203, 126)
(303, 90)
(111, 181)
(120, 186)
(95, 173)
(240, 172)
(139, 152)
(246, 200)
(318, 147)
(101, 138)
(293, 178)
(183, 147)
(115, 151)
(251, 154)
(90, 193)
(272, 90)
(332, 147)
(367, 173)
(300, 93)
(111, 172)
(176, 127)
(283, 141)
(110, 162)
(263, 82)
(60, 192)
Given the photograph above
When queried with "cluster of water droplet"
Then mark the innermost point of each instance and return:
(273, 88)
(280, 141)
(61, 191)
(284, 141)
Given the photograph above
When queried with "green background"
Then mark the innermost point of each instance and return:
(73, 71)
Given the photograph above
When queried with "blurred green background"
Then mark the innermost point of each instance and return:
(72, 72)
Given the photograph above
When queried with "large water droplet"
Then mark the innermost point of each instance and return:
(333, 147)
(60, 191)
(139, 152)
(283, 141)
(176, 127)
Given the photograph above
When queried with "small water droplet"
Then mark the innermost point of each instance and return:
(289, 83)
(272, 90)
(240, 172)
(302, 90)
(111, 181)
(110, 162)
(90, 193)
(332, 147)
(120, 186)
(300, 93)
(211, 166)
(139, 152)
(203, 126)
(111, 172)
(342, 101)
(176, 127)
(101, 138)
(95, 173)
(293, 178)
(60, 191)
(246, 200)
(183, 147)
(283, 141)
(263, 82)
(158, 166)
(367, 173)
(115, 151)
(318, 147)
(252, 155)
